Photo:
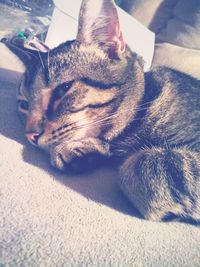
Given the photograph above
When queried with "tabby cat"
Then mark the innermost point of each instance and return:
(89, 98)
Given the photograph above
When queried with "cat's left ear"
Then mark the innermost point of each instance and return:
(99, 23)
(28, 53)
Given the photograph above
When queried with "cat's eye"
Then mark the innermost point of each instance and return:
(61, 90)
(23, 104)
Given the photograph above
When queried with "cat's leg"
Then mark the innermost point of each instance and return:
(79, 155)
(160, 181)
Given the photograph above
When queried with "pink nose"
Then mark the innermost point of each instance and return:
(33, 138)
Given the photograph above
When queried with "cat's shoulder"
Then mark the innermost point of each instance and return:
(166, 74)
(162, 77)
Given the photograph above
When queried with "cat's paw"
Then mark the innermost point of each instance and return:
(63, 155)
(74, 157)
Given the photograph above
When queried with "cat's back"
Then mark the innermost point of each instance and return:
(161, 79)
(174, 107)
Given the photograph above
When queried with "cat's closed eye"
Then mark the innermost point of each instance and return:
(60, 91)
(23, 105)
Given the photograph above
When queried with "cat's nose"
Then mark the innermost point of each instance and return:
(33, 138)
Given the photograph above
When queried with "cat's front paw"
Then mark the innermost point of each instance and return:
(63, 156)
(59, 156)
(75, 157)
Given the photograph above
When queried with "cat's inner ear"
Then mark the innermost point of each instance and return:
(99, 23)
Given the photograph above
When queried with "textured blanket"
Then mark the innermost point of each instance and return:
(50, 219)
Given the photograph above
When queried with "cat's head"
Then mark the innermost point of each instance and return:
(77, 90)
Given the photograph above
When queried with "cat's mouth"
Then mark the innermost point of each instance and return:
(70, 161)
(70, 154)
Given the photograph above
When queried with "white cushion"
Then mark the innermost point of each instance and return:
(177, 27)
(153, 14)
(174, 21)
(183, 28)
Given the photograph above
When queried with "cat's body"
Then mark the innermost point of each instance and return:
(91, 98)
(168, 114)
(161, 173)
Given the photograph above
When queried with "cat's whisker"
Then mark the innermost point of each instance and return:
(42, 63)
(101, 122)
(57, 131)
(95, 123)
(98, 122)
(48, 64)
(145, 104)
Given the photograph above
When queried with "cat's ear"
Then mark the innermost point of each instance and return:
(26, 53)
(99, 23)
